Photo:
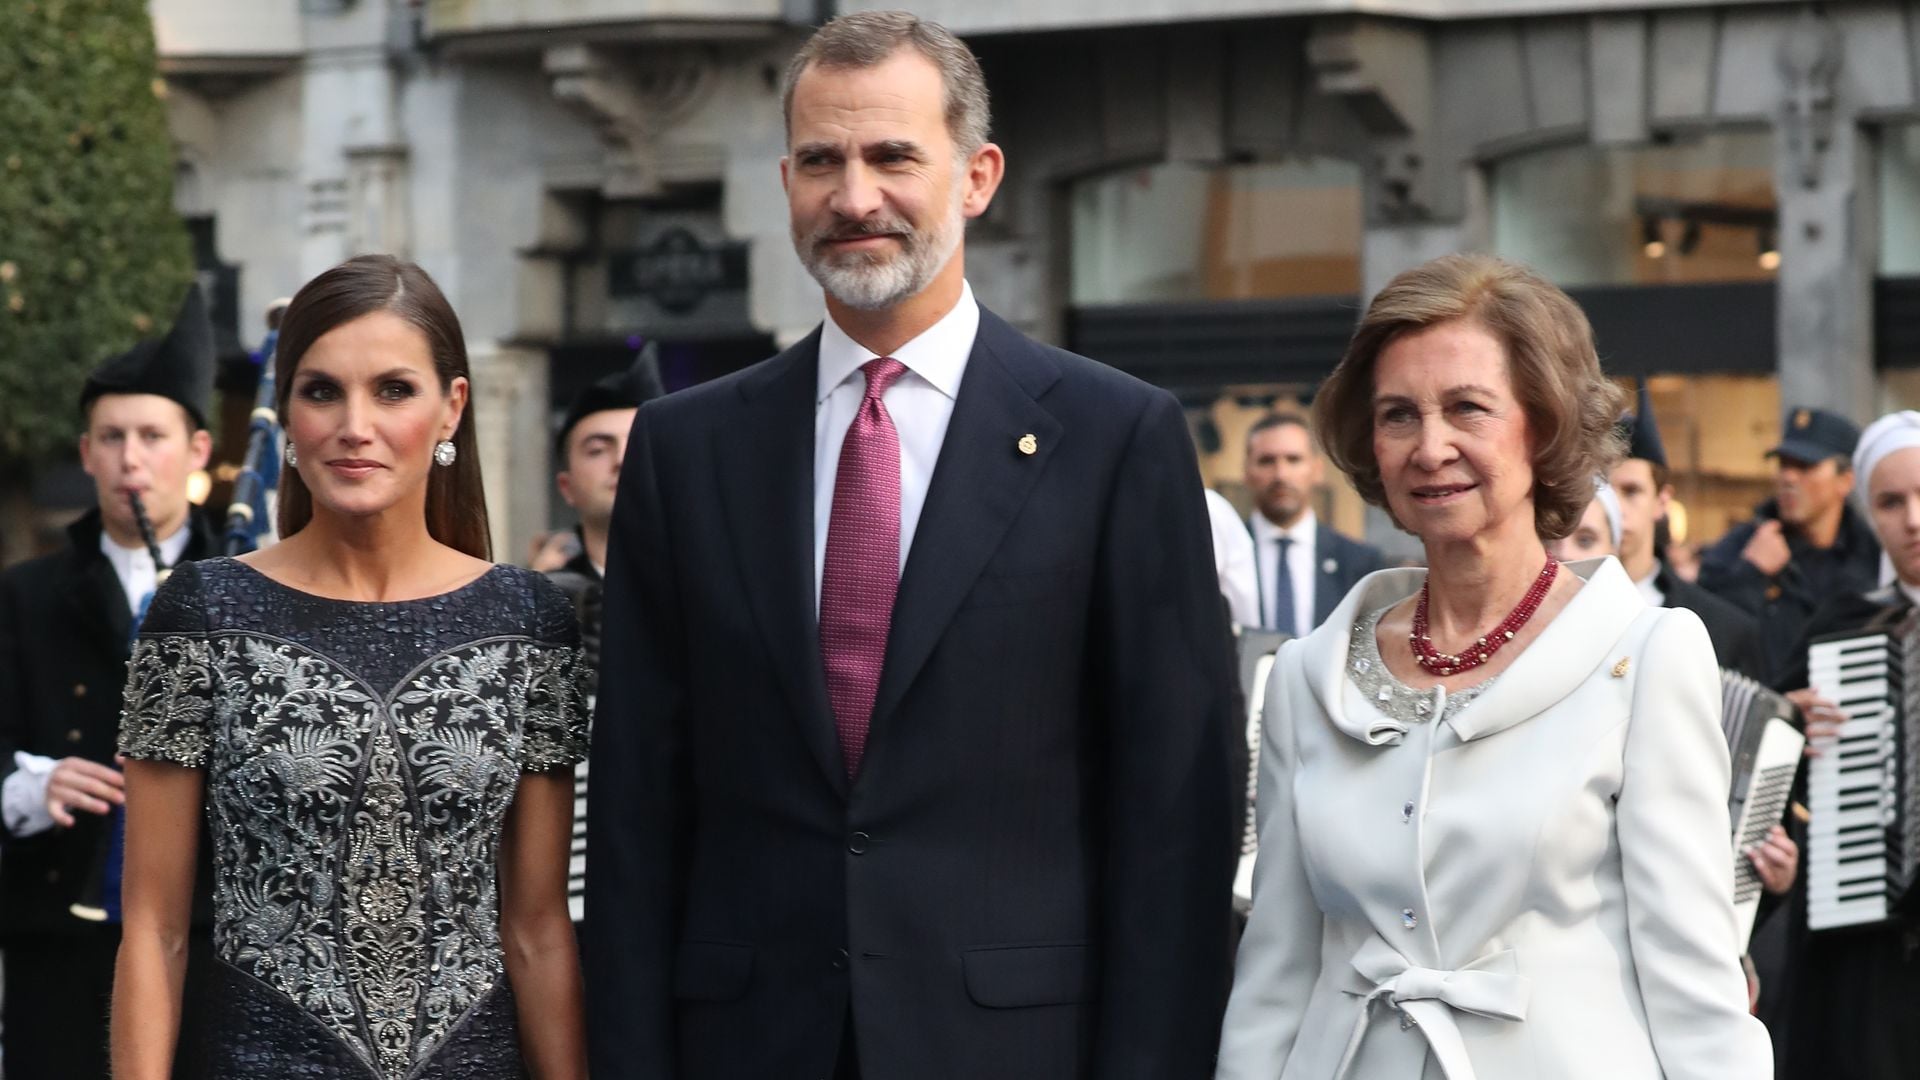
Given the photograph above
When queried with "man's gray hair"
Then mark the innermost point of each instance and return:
(867, 39)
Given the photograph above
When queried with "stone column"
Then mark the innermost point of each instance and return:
(1823, 171)
(511, 407)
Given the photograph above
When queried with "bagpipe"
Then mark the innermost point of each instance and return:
(250, 514)
(249, 527)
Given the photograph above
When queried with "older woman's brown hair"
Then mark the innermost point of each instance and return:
(1572, 408)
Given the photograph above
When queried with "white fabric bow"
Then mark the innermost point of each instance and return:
(1489, 986)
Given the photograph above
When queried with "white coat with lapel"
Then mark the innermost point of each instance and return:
(1539, 887)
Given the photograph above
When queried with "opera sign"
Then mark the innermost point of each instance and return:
(677, 270)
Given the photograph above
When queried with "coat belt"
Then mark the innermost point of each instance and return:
(1427, 998)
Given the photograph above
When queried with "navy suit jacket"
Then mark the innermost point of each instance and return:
(1341, 563)
(1030, 876)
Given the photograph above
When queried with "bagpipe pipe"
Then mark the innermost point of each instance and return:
(249, 526)
(250, 517)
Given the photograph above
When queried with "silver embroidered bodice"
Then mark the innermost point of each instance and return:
(1388, 694)
(360, 760)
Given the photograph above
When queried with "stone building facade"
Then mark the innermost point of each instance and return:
(1201, 191)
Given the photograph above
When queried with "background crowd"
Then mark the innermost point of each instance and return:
(1001, 823)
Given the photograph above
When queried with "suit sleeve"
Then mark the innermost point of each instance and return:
(637, 810)
(1727, 575)
(1164, 686)
(1677, 863)
(13, 685)
(1280, 950)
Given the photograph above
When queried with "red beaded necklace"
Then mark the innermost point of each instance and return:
(1435, 662)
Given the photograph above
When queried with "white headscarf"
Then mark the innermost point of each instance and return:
(1603, 494)
(1894, 431)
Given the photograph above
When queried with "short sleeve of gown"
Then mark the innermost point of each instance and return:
(556, 711)
(167, 709)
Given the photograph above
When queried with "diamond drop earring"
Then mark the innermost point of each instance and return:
(292, 461)
(445, 452)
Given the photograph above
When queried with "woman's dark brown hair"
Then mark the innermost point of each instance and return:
(456, 504)
(1572, 409)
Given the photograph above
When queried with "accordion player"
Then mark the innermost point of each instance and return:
(1765, 750)
(1863, 792)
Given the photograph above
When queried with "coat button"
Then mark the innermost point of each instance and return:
(857, 843)
(53, 877)
(840, 960)
(74, 735)
(1408, 919)
(80, 689)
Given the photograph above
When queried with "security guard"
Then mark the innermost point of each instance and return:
(66, 626)
(1804, 546)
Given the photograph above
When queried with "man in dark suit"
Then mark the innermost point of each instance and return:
(1305, 568)
(1804, 546)
(1641, 483)
(922, 710)
(66, 623)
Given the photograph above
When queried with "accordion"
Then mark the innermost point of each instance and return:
(1257, 650)
(1863, 837)
(1765, 750)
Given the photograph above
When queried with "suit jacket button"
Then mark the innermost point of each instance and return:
(80, 689)
(840, 960)
(74, 735)
(53, 877)
(857, 843)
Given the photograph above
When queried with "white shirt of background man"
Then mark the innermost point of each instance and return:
(23, 798)
(1301, 557)
(920, 403)
(1233, 560)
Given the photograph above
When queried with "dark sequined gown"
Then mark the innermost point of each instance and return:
(360, 759)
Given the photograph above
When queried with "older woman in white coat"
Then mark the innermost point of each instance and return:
(1493, 795)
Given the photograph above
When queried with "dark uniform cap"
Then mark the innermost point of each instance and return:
(178, 366)
(1642, 433)
(627, 389)
(1811, 436)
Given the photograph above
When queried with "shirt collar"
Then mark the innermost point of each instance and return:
(938, 355)
(1302, 531)
(170, 549)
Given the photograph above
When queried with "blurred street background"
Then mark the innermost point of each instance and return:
(1201, 192)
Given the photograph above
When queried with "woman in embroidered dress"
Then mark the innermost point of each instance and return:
(1493, 794)
(380, 727)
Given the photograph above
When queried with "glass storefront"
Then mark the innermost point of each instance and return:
(1697, 209)
(1178, 232)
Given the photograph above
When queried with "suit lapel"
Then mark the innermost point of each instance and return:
(979, 484)
(1327, 590)
(771, 520)
(95, 597)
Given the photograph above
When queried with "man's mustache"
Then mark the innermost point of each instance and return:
(860, 230)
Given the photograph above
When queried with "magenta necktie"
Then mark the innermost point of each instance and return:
(862, 570)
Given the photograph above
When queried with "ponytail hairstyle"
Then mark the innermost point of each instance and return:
(456, 503)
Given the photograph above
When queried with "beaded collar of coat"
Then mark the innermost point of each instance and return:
(1579, 639)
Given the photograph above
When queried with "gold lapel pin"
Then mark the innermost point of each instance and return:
(1620, 669)
(1028, 444)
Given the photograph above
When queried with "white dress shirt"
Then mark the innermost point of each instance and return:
(1233, 560)
(1301, 557)
(1649, 587)
(920, 403)
(23, 798)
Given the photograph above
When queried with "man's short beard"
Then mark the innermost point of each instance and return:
(866, 283)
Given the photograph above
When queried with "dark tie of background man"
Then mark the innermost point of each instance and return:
(1283, 592)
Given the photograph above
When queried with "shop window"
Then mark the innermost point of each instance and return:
(1694, 210)
(1178, 232)
(1900, 200)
